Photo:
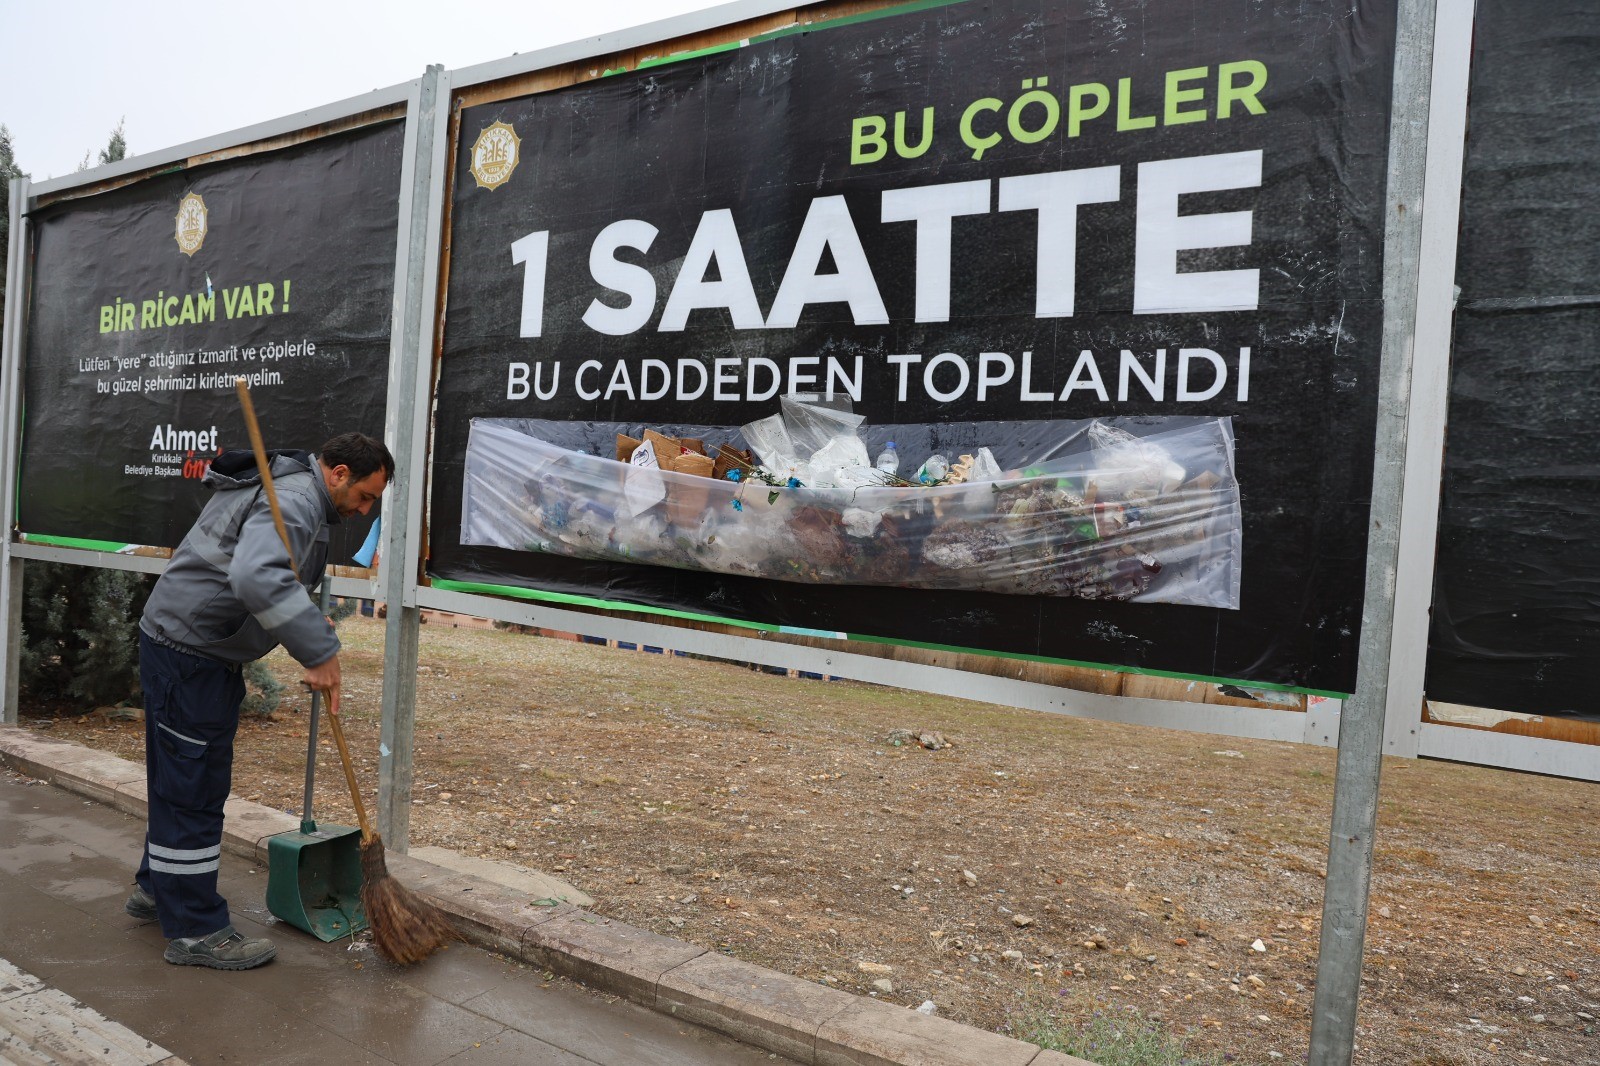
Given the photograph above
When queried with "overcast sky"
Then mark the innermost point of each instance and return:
(178, 71)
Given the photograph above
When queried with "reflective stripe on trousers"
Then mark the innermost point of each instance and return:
(191, 714)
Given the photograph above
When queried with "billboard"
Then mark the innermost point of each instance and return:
(1109, 278)
(150, 299)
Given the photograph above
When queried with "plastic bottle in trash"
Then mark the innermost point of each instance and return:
(888, 460)
(934, 469)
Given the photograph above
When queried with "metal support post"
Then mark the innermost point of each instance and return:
(1430, 378)
(1360, 762)
(11, 346)
(406, 429)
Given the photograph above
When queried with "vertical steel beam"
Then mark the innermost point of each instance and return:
(1430, 381)
(18, 268)
(406, 430)
(1360, 761)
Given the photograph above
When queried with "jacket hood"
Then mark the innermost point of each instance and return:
(236, 469)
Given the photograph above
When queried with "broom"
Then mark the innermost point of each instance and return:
(405, 927)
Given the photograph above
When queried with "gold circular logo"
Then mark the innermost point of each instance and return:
(495, 155)
(191, 232)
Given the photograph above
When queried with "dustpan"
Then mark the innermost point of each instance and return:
(314, 876)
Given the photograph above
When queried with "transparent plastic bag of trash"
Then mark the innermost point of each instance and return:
(815, 443)
(1152, 517)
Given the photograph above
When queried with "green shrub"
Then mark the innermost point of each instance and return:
(80, 634)
(268, 689)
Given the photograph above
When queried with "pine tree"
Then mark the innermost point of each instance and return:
(116, 150)
(8, 160)
(80, 634)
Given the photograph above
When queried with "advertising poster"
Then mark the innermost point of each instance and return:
(150, 300)
(1516, 610)
(1107, 275)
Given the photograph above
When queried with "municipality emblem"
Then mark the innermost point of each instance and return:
(495, 155)
(191, 231)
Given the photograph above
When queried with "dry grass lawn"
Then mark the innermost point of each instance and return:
(1039, 860)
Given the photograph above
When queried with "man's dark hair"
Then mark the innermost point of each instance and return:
(361, 453)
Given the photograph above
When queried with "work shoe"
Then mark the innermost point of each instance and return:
(140, 905)
(226, 949)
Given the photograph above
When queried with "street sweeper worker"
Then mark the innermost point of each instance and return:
(228, 597)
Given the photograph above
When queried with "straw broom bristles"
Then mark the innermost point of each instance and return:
(405, 928)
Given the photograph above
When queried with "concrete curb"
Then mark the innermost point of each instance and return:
(777, 1012)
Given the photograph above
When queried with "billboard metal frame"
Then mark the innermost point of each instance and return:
(406, 427)
(1429, 396)
(1316, 726)
(19, 276)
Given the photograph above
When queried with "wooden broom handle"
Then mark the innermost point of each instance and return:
(349, 770)
(283, 534)
(263, 467)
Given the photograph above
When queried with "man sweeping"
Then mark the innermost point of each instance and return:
(229, 596)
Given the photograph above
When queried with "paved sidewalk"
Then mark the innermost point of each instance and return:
(66, 865)
(683, 984)
(41, 1026)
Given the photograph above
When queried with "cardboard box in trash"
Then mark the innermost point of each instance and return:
(685, 455)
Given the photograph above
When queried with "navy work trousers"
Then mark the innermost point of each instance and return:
(191, 712)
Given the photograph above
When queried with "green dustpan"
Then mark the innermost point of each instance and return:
(314, 880)
(314, 876)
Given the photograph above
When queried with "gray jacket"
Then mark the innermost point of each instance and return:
(228, 593)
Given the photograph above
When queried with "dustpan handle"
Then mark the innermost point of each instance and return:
(308, 823)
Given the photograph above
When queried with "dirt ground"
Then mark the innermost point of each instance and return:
(1038, 860)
